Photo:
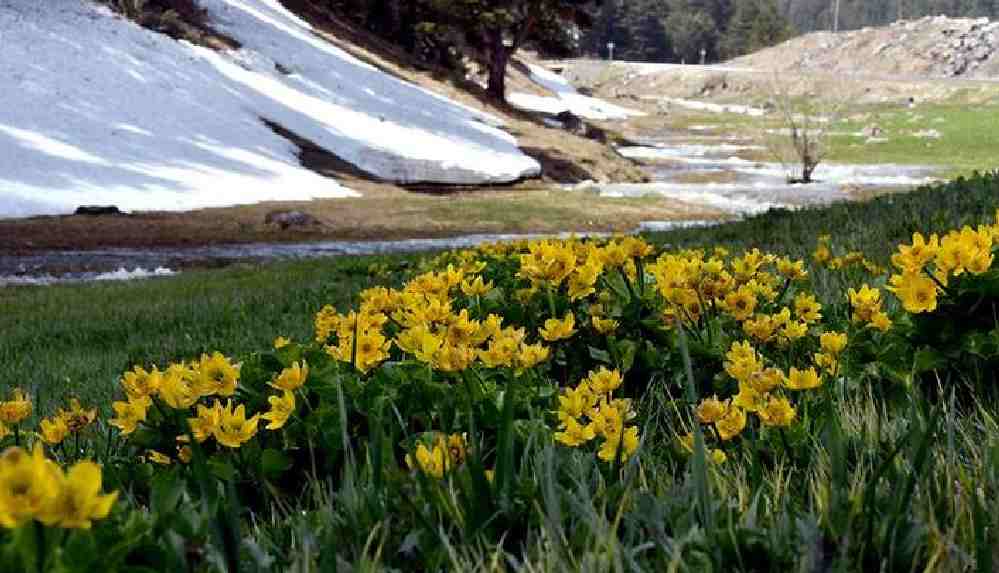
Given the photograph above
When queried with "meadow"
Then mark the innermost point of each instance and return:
(809, 391)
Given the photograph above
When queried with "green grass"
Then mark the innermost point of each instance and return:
(969, 134)
(78, 339)
(884, 479)
(875, 226)
(969, 138)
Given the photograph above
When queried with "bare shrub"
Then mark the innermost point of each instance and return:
(800, 144)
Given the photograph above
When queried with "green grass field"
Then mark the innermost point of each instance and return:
(892, 466)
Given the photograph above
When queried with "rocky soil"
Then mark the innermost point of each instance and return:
(929, 47)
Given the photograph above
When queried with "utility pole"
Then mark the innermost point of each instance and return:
(836, 16)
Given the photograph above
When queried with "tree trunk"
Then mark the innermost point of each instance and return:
(498, 58)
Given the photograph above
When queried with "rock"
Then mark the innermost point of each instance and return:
(570, 121)
(95, 210)
(287, 219)
(872, 131)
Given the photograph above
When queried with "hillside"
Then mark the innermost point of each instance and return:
(929, 47)
(112, 113)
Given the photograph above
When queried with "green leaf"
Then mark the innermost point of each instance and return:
(273, 463)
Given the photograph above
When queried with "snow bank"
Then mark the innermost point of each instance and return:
(386, 126)
(122, 274)
(567, 99)
(99, 111)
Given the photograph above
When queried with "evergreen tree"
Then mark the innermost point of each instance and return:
(755, 24)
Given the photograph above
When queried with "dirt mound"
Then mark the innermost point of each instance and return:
(930, 47)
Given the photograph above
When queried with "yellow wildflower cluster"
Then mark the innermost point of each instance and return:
(692, 284)
(53, 430)
(446, 454)
(13, 411)
(866, 306)
(189, 385)
(589, 411)
(926, 266)
(34, 488)
(823, 257)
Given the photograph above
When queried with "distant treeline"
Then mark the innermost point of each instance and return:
(448, 32)
(678, 30)
(811, 15)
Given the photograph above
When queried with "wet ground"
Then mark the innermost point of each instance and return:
(716, 171)
(727, 175)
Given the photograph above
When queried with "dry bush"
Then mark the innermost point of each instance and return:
(800, 144)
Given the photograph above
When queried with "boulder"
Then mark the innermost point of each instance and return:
(97, 210)
(287, 219)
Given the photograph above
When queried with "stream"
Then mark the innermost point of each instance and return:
(714, 171)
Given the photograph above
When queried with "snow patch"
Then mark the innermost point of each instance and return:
(97, 110)
(566, 99)
(122, 274)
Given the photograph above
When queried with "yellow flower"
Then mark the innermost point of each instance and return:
(177, 389)
(574, 402)
(547, 262)
(282, 408)
(741, 303)
(603, 381)
(4, 431)
(822, 254)
(476, 287)
(742, 361)
(234, 429)
(185, 454)
(777, 412)
(206, 423)
(748, 399)
(54, 430)
(80, 500)
(372, 350)
(139, 383)
(293, 377)
(216, 375)
(16, 409)
(732, 424)
(531, 355)
(29, 484)
(793, 331)
(431, 462)
(710, 410)
(833, 342)
(77, 417)
(917, 292)
(827, 362)
(807, 309)
(880, 321)
(765, 380)
(686, 442)
(555, 329)
(130, 414)
(913, 258)
(626, 442)
(452, 358)
(718, 457)
(803, 379)
(157, 458)
(280, 342)
(792, 270)
(604, 325)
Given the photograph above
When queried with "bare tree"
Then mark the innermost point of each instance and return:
(801, 142)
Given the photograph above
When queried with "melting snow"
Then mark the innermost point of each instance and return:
(567, 99)
(97, 110)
